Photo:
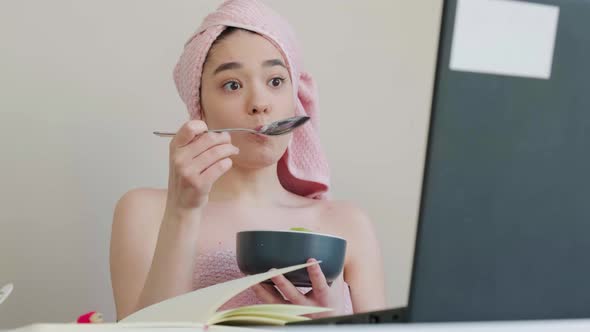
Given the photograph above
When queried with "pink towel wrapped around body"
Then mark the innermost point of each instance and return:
(303, 169)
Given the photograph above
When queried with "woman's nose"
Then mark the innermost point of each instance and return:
(259, 108)
(259, 101)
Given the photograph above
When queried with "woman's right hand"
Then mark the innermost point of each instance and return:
(197, 159)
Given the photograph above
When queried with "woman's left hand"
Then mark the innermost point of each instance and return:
(321, 294)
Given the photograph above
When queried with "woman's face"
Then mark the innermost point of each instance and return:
(246, 84)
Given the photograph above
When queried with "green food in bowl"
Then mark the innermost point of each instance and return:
(300, 229)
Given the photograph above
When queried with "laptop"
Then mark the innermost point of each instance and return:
(504, 222)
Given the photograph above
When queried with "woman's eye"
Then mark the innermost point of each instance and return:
(276, 82)
(232, 86)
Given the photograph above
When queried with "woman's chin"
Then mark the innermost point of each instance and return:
(257, 158)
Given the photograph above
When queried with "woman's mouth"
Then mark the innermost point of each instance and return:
(259, 138)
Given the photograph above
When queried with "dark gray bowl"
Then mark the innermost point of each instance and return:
(259, 251)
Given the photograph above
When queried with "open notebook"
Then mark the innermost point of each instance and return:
(198, 309)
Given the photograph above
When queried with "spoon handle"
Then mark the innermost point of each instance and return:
(232, 129)
(169, 134)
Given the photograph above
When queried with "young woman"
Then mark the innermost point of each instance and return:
(241, 69)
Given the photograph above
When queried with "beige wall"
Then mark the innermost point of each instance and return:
(84, 83)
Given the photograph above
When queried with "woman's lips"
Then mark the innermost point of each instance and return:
(259, 138)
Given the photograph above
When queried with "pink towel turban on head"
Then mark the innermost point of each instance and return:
(303, 169)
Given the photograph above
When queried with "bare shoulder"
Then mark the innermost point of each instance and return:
(344, 216)
(140, 200)
(140, 207)
(140, 195)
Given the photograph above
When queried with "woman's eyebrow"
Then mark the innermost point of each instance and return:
(227, 66)
(274, 62)
(237, 65)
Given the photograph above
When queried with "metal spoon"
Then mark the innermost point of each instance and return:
(276, 128)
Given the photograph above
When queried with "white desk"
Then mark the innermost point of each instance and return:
(523, 326)
(582, 325)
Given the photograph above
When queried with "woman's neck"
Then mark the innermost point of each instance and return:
(256, 187)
